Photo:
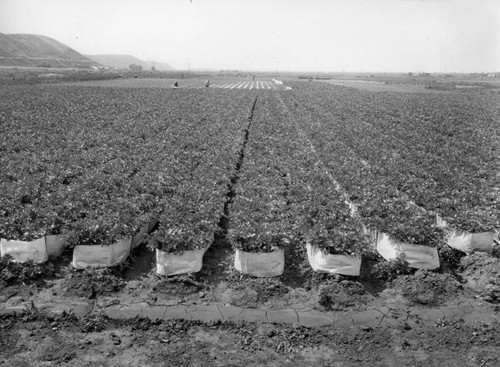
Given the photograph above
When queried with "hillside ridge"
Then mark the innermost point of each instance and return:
(39, 51)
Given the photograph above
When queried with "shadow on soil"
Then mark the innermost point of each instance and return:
(143, 264)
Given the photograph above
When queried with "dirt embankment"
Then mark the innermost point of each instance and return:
(418, 318)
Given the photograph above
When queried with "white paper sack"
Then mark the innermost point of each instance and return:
(168, 263)
(101, 255)
(55, 244)
(418, 256)
(323, 262)
(466, 241)
(23, 251)
(262, 265)
(470, 242)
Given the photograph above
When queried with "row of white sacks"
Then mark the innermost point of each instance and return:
(261, 265)
(256, 264)
(461, 240)
(273, 264)
(41, 249)
(417, 256)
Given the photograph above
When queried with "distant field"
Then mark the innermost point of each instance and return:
(415, 85)
(215, 83)
(137, 83)
(378, 86)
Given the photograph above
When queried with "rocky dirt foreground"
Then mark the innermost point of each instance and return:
(101, 318)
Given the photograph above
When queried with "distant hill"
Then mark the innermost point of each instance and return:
(35, 50)
(124, 61)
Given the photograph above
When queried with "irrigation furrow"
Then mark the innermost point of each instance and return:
(231, 189)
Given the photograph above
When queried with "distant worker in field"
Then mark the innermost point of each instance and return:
(175, 85)
(207, 83)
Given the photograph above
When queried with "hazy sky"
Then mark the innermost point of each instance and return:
(315, 35)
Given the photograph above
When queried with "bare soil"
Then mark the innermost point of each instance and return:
(38, 338)
(34, 340)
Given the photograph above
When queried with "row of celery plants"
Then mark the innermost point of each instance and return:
(420, 142)
(285, 195)
(97, 163)
(190, 216)
(381, 205)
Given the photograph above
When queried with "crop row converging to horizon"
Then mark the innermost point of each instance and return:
(319, 164)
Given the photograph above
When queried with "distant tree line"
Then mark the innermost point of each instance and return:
(135, 68)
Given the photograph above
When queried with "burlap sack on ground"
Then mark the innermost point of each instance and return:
(467, 241)
(470, 242)
(23, 251)
(101, 255)
(262, 265)
(323, 262)
(168, 263)
(419, 257)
